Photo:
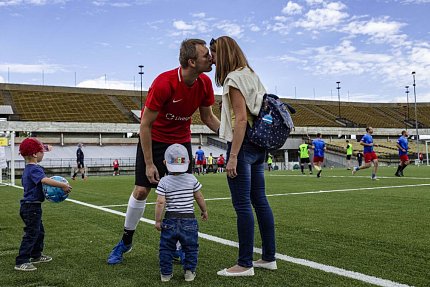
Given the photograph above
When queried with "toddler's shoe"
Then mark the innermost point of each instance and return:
(25, 267)
(166, 278)
(189, 275)
(41, 259)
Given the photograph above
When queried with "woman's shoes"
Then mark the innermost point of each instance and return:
(248, 272)
(264, 264)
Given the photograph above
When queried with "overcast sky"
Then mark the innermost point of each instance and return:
(300, 48)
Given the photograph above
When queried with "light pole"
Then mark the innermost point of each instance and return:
(416, 117)
(141, 92)
(338, 95)
(407, 98)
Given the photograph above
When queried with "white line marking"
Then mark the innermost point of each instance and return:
(326, 268)
(349, 189)
(304, 193)
(348, 176)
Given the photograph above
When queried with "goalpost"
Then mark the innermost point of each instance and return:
(427, 152)
(7, 171)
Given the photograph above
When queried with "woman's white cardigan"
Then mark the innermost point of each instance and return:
(252, 90)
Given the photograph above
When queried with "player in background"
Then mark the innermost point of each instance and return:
(115, 167)
(304, 157)
(269, 161)
(211, 163)
(369, 154)
(348, 155)
(200, 155)
(80, 167)
(402, 145)
(318, 145)
(220, 163)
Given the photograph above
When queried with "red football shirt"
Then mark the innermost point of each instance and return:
(175, 103)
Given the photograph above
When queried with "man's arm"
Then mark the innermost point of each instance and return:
(148, 118)
(209, 119)
(159, 207)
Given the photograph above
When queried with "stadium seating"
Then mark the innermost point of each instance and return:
(65, 107)
(61, 104)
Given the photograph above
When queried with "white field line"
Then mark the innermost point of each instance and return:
(306, 192)
(152, 203)
(350, 176)
(326, 268)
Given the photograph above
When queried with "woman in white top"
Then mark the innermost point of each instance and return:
(241, 100)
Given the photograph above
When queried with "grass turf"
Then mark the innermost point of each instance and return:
(378, 228)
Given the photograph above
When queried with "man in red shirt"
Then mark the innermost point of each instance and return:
(166, 119)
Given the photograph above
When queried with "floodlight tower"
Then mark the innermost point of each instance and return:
(338, 95)
(416, 117)
(407, 98)
(141, 91)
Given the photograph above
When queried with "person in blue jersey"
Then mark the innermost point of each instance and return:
(369, 154)
(176, 193)
(318, 145)
(402, 145)
(200, 155)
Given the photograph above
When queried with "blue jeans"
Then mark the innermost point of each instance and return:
(248, 188)
(184, 230)
(34, 233)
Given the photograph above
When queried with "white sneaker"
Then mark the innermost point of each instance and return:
(26, 267)
(264, 264)
(41, 259)
(166, 278)
(189, 275)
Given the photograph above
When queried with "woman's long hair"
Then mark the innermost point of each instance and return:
(229, 57)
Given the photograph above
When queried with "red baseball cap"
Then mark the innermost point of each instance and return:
(30, 146)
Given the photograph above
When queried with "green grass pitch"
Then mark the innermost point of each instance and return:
(379, 229)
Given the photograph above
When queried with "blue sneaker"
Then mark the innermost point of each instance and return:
(115, 256)
(179, 256)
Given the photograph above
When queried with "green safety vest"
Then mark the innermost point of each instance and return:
(269, 160)
(349, 149)
(304, 152)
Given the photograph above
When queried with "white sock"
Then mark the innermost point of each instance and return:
(135, 210)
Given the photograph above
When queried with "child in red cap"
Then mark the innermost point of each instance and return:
(30, 252)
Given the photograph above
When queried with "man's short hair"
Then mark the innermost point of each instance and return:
(318, 135)
(188, 51)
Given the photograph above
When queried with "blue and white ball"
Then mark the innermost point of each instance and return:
(55, 194)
